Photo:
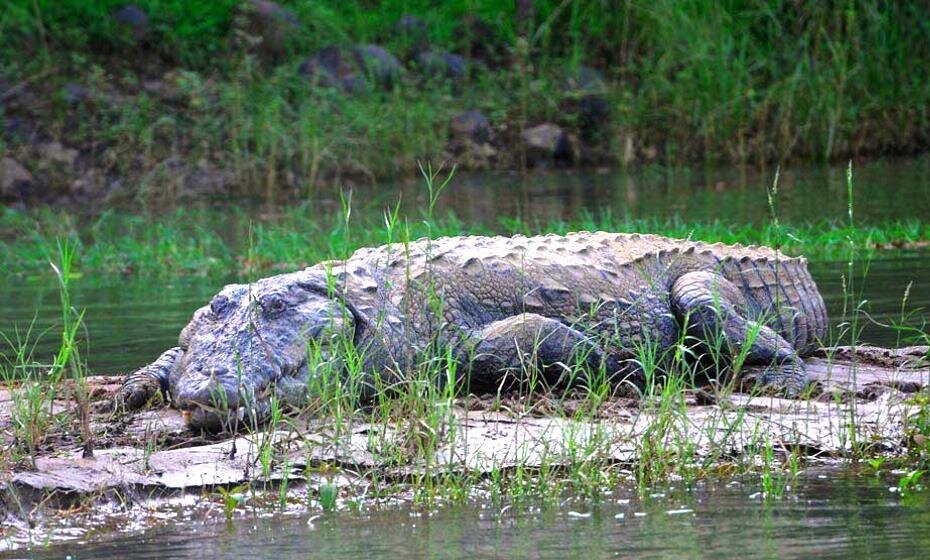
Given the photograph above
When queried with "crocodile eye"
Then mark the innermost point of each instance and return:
(273, 305)
(218, 305)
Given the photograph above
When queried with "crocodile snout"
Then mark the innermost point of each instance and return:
(214, 388)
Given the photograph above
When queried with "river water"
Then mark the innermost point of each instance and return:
(826, 513)
(830, 514)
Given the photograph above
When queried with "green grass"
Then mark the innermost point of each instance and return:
(734, 81)
(217, 242)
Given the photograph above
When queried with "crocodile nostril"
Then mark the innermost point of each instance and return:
(218, 371)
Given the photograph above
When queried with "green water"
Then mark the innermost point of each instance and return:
(827, 514)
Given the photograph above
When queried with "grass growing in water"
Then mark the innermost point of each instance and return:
(206, 242)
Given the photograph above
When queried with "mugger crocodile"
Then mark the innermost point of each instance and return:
(495, 304)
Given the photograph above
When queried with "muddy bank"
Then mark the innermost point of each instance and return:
(868, 390)
(865, 396)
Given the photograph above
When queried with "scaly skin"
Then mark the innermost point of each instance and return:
(501, 305)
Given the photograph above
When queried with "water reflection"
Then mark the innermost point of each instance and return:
(883, 190)
(827, 514)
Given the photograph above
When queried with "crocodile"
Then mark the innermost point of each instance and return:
(495, 309)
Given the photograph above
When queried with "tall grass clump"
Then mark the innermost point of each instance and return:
(36, 385)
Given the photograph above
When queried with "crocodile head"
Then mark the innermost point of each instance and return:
(255, 342)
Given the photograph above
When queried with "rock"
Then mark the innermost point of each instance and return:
(206, 179)
(380, 65)
(15, 180)
(133, 18)
(91, 185)
(329, 68)
(334, 66)
(18, 130)
(73, 94)
(586, 98)
(433, 64)
(586, 80)
(274, 24)
(411, 35)
(471, 125)
(54, 153)
(547, 144)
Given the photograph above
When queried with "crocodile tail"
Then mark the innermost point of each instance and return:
(783, 294)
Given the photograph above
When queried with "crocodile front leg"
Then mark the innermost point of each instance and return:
(145, 384)
(710, 305)
(520, 345)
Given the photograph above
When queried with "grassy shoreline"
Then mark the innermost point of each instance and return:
(197, 104)
(228, 242)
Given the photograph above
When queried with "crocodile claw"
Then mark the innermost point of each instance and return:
(138, 391)
(788, 380)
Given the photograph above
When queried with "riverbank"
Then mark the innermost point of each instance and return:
(866, 406)
(158, 100)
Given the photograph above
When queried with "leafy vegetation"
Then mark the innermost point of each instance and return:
(736, 81)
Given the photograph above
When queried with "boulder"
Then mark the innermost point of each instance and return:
(55, 154)
(17, 130)
(274, 24)
(586, 99)
(378, 64)
(15, 180)
(352, 69)
(73, 94)
(329, 68)
(471, 125)
(443, 65)
(548, 144)
(134, 19)
(207, 179)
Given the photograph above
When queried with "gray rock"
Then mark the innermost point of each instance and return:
(380, 65)
(330, 68)
(547, 144)
(586, 99)
(73, 94)
(433, 64)
(206, 179)
(18, 130)
(472, 125)
(133, 18)
(54, 153)
(91, 185)
(411, 34)
(586, 80)
(352, 69)
(274, 24)
(15, 180)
